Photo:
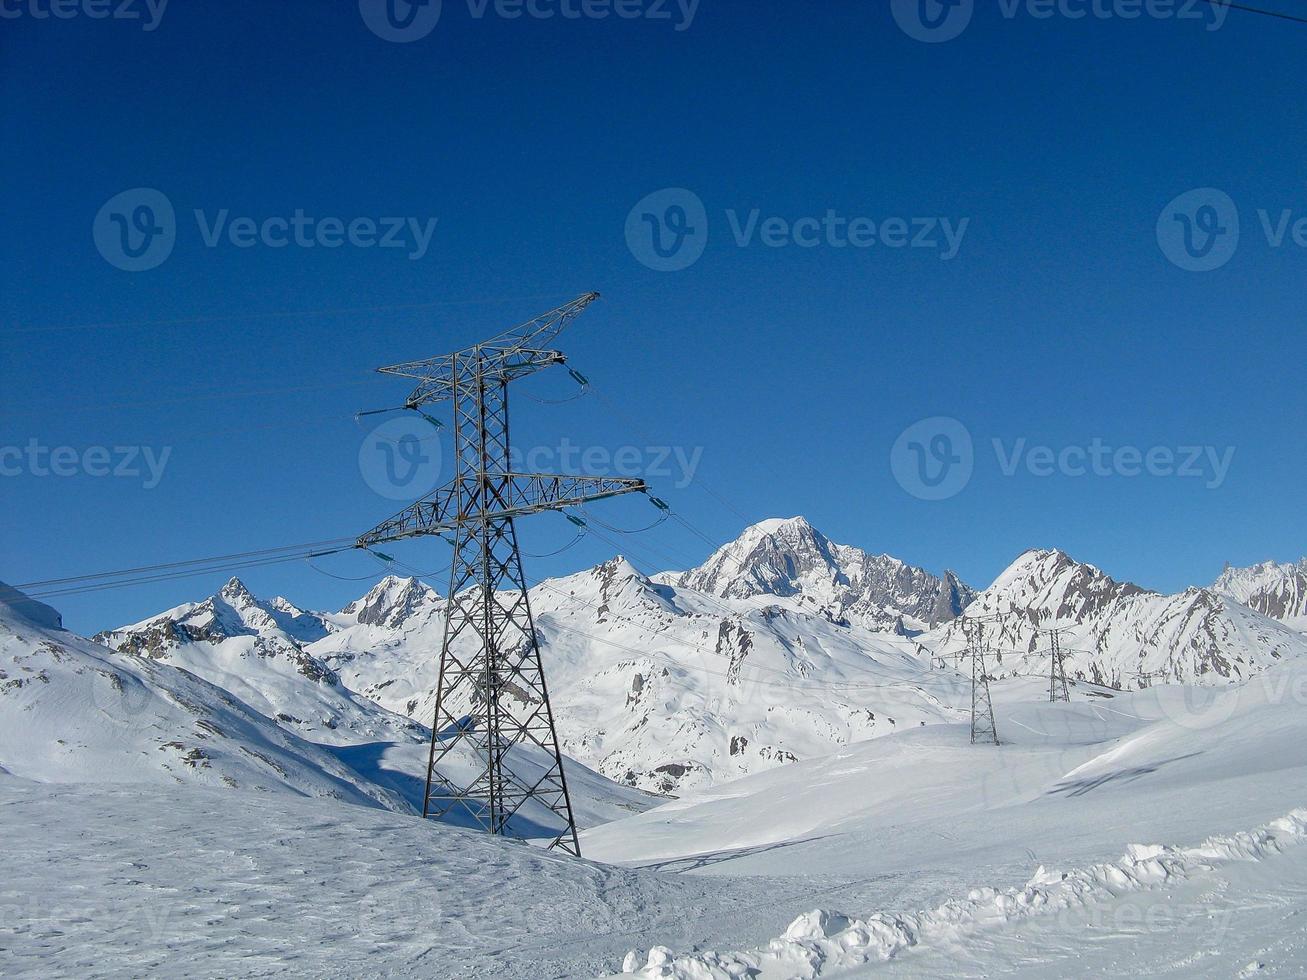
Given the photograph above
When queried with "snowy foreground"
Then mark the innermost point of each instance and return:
(107, 882)
(1147, 834)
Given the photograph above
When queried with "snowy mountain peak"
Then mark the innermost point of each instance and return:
(1275, 589)
(793, 527)
(236, 592)
(1051, 579)
(391, 601)
(791, 558)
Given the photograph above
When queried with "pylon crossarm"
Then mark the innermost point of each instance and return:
(513, 354)
(537, 331)
(440, 377)
(518, 493)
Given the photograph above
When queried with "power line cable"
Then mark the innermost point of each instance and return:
(1257, 10)
(179, 564)
(270, 314)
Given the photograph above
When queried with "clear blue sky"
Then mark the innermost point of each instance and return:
(795, 369)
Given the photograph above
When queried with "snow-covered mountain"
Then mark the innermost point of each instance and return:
(73, 711)
(667, 689)
(846, 584)
(781, 647)
(1116, 633)
(257, 651)
(388, 604)
(1275, 589)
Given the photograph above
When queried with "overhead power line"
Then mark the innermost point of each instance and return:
(1258, 10)
(165, 571)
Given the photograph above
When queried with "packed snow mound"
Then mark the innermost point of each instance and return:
(820, 942)
(1275, 589)
(1116, 633)
(73, 711)
(791, 558)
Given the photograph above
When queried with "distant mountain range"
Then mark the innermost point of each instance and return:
(1116, 633)
(782, 645)
(1278, 590)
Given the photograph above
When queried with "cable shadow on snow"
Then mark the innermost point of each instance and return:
(1080, 787)
(694, 862)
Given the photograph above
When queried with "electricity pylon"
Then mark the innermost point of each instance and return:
(1057, 689)
(491, 694)
(983, 728)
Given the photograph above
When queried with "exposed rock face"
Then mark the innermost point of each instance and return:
(791, 558)
(1275, 589)
(391, 601)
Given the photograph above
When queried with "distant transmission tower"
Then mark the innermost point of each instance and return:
(983, 728)
(491, 694)
(1057, 689)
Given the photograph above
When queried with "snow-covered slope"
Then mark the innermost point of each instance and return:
(908, 822)
(73, 711)
(667, 689)
(1275, 589)
(1116, 633)
(100, 881)
(256, 651)
(791, 558)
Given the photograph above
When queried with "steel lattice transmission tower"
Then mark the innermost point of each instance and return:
(491, 695)
(983, 728)
(1057, 688)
